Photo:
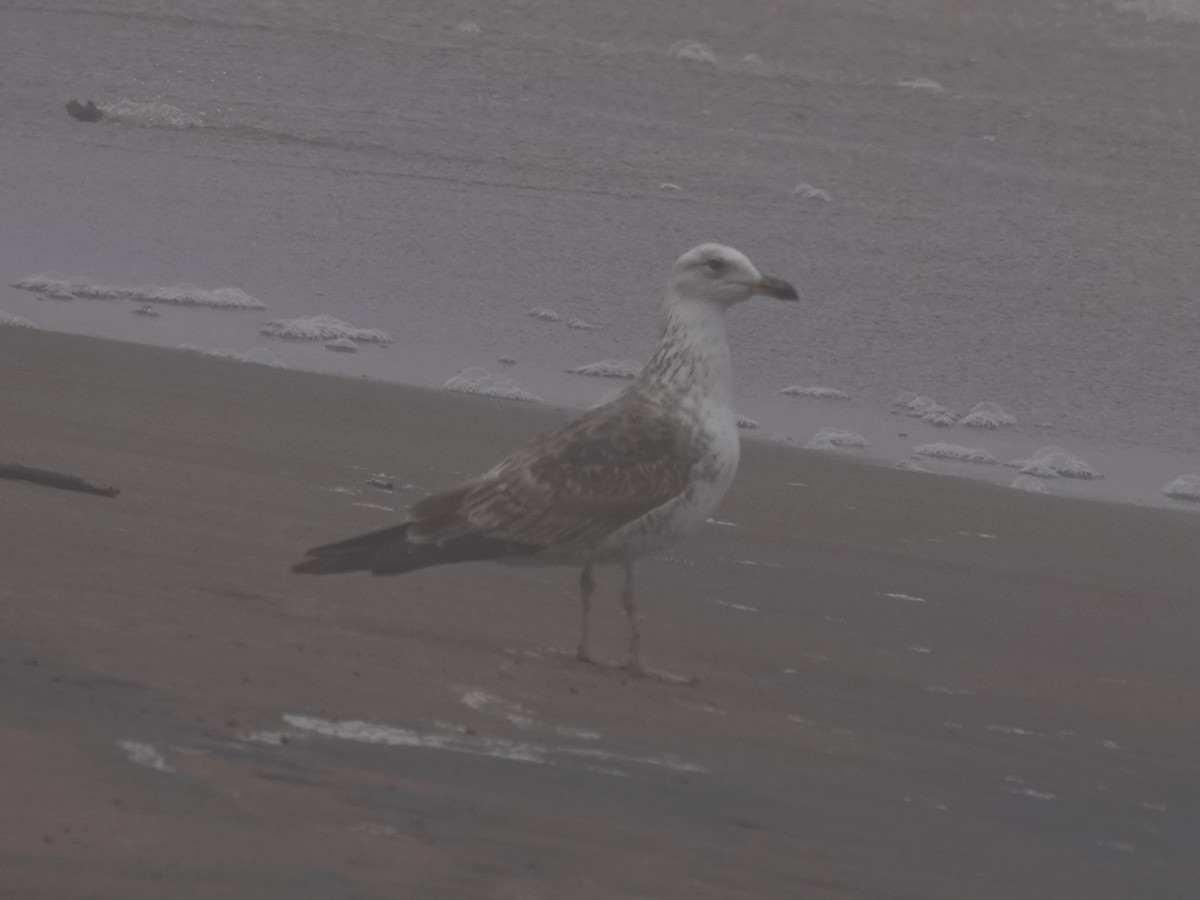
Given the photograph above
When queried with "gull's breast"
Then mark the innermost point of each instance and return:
(718, 450)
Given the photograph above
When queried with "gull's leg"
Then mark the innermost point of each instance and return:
(584, 652)
(637, 663)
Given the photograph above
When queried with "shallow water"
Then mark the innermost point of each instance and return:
(998, 205)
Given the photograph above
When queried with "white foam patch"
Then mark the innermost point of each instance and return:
(255, 356)
(1031, 792)
(144, 755)
(190, 295)
(520, 716)
(921, 84)
(957, 453)
(738, 606)
(752, 562)
(747, 423)
(323, 328)
(987, 415)
(15, 321)
(926, 409)
(1014, 729)
(1185, 487)
(270, 738)
(609, 368)
(342, 345)
(806, 191)
(482, 701)
(1029, 483)
(477, 380)
(546, 315)
(693, 50)
(835, 438)
(1051, 462)
(1168, 10)
(183, 294)
(63, 286)
(467, 27)
(669, 186)
(149, 115)
(939, 416)
(821, 393)
(582, 325)
(909, 597)
(459, 741)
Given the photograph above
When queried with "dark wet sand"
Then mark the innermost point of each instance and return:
(880, 767)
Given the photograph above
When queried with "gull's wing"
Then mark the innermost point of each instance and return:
(576, 484)
(572, 486)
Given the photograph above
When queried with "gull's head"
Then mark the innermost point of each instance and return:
(721, 276)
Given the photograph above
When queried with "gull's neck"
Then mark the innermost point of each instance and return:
(692, 357)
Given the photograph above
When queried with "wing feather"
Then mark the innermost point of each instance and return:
(586, 479)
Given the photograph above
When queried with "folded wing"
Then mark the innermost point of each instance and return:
(571, 487)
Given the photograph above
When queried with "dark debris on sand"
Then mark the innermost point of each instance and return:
(84, 112)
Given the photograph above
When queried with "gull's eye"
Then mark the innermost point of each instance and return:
(716, 266)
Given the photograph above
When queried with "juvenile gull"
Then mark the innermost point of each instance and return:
(624, 479)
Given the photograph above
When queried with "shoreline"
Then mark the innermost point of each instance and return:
(1131, 474)
(899, 672)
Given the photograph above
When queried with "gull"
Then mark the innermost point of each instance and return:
(629, 477)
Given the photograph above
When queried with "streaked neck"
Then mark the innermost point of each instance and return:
(693, 354)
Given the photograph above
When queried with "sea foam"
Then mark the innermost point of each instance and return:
(821, 393)
(693, 50)
(1051, 462)
(834, 438)
(149, 115)
(609, 368)
(1029, 483)
(255, 355)
(806, 191)
(62, 287)
(15, 321)
(478, 380)
(1185, 487)
(922, 84)
(323, 328)
(926, 409)
(987, 415)
(957, 453)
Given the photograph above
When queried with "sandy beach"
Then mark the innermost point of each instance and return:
(910, 685)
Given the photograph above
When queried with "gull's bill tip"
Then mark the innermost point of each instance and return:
(774, 287)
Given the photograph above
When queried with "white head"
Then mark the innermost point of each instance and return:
(721, 276)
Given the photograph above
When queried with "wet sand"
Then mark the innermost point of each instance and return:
(911, 685)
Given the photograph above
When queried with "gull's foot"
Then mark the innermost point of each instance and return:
(637, 667)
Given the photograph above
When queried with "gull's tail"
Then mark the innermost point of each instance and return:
(390, 551)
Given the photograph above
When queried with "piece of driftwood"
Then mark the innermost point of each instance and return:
(55, 479)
